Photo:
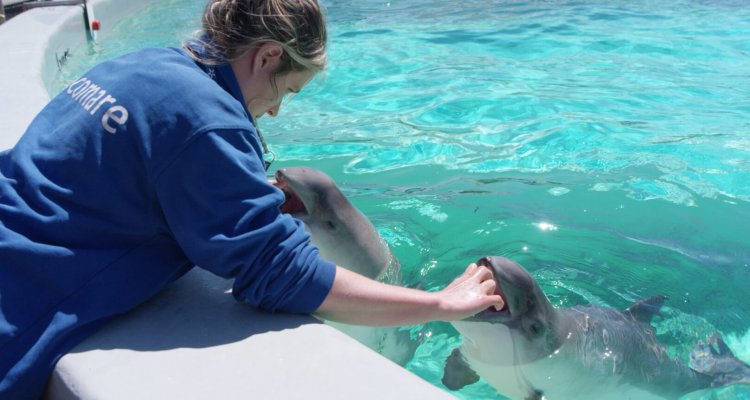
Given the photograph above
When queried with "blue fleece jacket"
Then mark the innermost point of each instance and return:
(147, 165)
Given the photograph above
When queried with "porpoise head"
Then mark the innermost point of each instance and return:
(309, 192)
(341, 232)
(531, 319)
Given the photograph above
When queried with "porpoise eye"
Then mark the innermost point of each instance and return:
(535, 328)
(331, 225)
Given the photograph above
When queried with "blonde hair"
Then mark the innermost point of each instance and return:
(232, 27)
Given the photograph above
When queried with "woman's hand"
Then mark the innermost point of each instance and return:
(355, 299)
(470, 293)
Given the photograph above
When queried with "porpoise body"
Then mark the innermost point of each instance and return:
(341, 232)
(347, 238)
(532, 350)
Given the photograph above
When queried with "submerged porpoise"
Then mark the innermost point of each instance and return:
(347, 238)
(532, 350)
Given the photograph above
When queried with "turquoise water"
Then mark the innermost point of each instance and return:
(603, 145)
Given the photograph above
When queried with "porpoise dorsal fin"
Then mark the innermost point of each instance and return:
(458, 373)
(644, 310)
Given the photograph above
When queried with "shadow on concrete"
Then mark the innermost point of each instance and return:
(197, 311)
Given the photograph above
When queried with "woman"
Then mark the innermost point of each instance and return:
(151, 164)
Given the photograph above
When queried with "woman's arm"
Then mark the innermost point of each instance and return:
(355, 299)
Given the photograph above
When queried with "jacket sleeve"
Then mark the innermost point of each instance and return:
(225, 216)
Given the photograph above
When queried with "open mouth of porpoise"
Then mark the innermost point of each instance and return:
(292, 204)
(491, 314)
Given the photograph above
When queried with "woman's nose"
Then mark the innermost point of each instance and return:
(274, 111)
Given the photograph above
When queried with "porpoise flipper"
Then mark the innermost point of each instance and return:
(644, 310)
(458, 373)
(715, 359)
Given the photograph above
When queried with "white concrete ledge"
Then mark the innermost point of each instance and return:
(193, 341)
(12, 2)
(29, 43)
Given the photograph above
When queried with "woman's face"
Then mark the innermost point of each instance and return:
(270, 92)
(262, 88)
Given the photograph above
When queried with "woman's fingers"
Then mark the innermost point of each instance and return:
(485, 273)
(473, 291)
(489, 286)
(468, 274)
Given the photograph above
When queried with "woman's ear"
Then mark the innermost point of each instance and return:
(268, 56)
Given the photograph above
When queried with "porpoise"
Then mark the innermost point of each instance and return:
(347, 238)
(341, 232)
(532, 350)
